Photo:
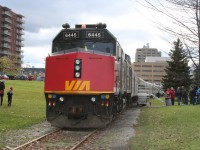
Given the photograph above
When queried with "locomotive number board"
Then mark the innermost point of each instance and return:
(94, 34)
(71, 35)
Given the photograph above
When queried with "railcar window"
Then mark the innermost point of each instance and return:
(99, 46)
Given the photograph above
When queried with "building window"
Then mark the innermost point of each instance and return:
(157, 80)
(137, 70)
(146, 66)
(157, 71)
(145, 75)
(158, 66)
(146, 70)
(137, 65)
(158, 75)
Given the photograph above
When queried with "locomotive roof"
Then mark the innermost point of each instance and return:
(107, 35)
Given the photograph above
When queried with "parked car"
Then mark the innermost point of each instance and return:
(31, 77)
(11, 77)
(40, 78)
(21, 77)
(4, 77)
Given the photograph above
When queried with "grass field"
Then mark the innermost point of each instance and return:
(167, 128)
(158, 128)
(28, 105)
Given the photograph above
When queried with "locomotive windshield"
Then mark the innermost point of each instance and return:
(95, 46)
(92, 40)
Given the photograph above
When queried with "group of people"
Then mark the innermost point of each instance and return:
(170, 95)
(182, 95)
(9, 93)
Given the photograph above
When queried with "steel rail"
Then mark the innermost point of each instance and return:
(83, 140)
(23, 145)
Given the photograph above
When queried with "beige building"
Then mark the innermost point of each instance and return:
(11, 39)
(146, 51)
(152, 70)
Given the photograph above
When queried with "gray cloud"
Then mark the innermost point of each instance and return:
(44, 18)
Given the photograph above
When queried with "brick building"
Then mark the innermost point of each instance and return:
(11, 35)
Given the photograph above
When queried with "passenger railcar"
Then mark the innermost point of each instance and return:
(88, 78)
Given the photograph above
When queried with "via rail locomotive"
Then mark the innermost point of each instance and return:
(88, 78)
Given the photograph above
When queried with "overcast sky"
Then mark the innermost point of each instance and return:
(126, 19)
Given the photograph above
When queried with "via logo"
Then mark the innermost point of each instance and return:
(77, 85)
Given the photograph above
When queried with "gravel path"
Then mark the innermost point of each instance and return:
(118, 133)
(113, 137)
(19, 137)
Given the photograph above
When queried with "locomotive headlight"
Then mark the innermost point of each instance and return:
(93, 99)
(77, 67)
(49, 95)
(54, 96)
(61, 99)
(107, 96)
(77, 74)
(77, 61)
(102, 96)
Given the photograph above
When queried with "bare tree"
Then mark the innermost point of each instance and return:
(184, 19)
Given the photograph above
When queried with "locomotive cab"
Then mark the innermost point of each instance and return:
(93, 77)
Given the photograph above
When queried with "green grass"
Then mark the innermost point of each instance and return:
(157, 102)
(168, 128)
(28, 105)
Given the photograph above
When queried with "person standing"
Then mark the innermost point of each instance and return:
(10, 94)
(192, 95)
(178, 95)
(198, 95)
(173, 95)
(2, 87)
(168, 97)
(184, 95)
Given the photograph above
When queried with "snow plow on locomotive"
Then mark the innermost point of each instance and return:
(88, 78)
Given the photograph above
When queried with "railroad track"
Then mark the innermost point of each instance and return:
(23, 146)
(37, 143)
(77, 145)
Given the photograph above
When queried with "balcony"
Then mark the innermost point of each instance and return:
(19, 38)
(20, 32)
(5, 32)
(19, 44)
(20, 20)
(4, 52)
(18, 50)
(19, 61)
(7, 39)
(6, 26)
(7, 13)
(6, 45)
(19, 26)
(20, 56)
(8, 20)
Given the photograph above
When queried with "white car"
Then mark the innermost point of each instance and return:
(40, 78)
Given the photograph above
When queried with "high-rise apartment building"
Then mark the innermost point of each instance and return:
(11, 35)
(146, 51)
